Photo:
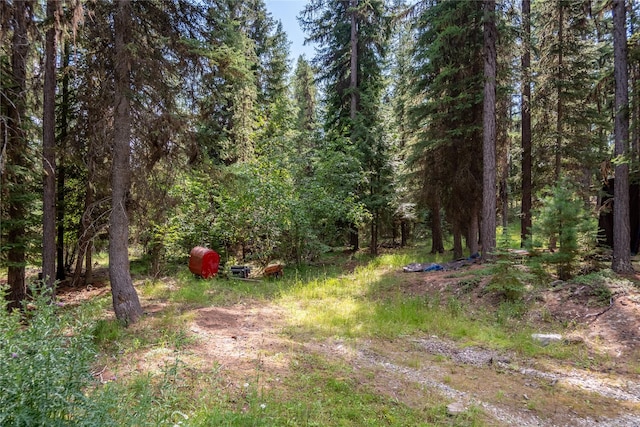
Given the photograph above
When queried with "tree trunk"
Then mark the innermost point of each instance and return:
(404, 232)
(472, 237)
(87, 231)
(354, 237)
(525, 218)
(504, 199)
(353, 84)
(621, 230)
(64, 123)
(49, 151)
(373, 247)
(17, 156)
(457, 240)
(353, 87)
(635, 90)
(560, 104)
(125, 299)
(437, 241)
(88, 264)
(489, 133)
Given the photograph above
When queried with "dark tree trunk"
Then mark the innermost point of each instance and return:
(559, 94)
(17, 156)
(457, 240)
(88, 264)
(353, 84)
(437, 240)
(472, 237)
(125, 299)
(49, 151)
(504, 199)
(353, 87)
(87, 231)
(375, 221)
(373, 249)
(503, 159)
(489, 133)
(621, 229)
(404, 233)
(354, 237)
(525, 218)
(635, 90)
(64, 123)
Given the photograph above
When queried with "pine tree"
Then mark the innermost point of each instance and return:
(125, 299)
(447, 115)
(143, 119)
(305, 94)
(48, 149)
(353, 39)
(564, 104)
(15, 165)
(525, 111)
(489, 132)
(621, 230)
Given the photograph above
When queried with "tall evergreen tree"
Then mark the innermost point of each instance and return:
(125, 299)
(621, 230)
(634, 68)
(525, 111)
(305, 94)
(244, 79)
(15, 165)
(447, 116)
(48, 148)
(353, 39)
(489, 131)
(399, 93)
(564, 108)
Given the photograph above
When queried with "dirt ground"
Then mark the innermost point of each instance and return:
(243, 339)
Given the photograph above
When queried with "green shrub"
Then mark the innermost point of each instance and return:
(507, 278)
(45, 362)
(563, 218)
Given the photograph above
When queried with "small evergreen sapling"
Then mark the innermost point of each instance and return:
(564, 218)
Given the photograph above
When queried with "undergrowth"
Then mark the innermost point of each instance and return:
(50, 382)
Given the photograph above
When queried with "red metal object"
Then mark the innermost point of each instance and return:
(204, 262)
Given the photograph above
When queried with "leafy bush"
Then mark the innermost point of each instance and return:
(596, 286)
(45, 362)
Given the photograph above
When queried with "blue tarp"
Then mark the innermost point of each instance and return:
(417, 267)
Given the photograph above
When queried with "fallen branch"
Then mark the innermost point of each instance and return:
(596, 315)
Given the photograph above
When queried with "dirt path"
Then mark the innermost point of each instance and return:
(245, 339)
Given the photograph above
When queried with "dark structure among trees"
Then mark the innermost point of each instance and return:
(606, 217)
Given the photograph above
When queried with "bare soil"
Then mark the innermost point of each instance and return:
(247, 341)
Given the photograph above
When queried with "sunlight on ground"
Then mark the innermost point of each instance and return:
(333, 306)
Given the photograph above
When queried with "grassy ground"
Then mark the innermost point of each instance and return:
(339, 343)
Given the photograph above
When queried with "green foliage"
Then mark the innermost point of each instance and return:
(106, 331)
(597, 286)
(506, 281)
(563, 217)
(510, 309)
(469, 285)
(508, 278)
(446, 114)
(570, 130)
(45, 359)
(266, 206)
